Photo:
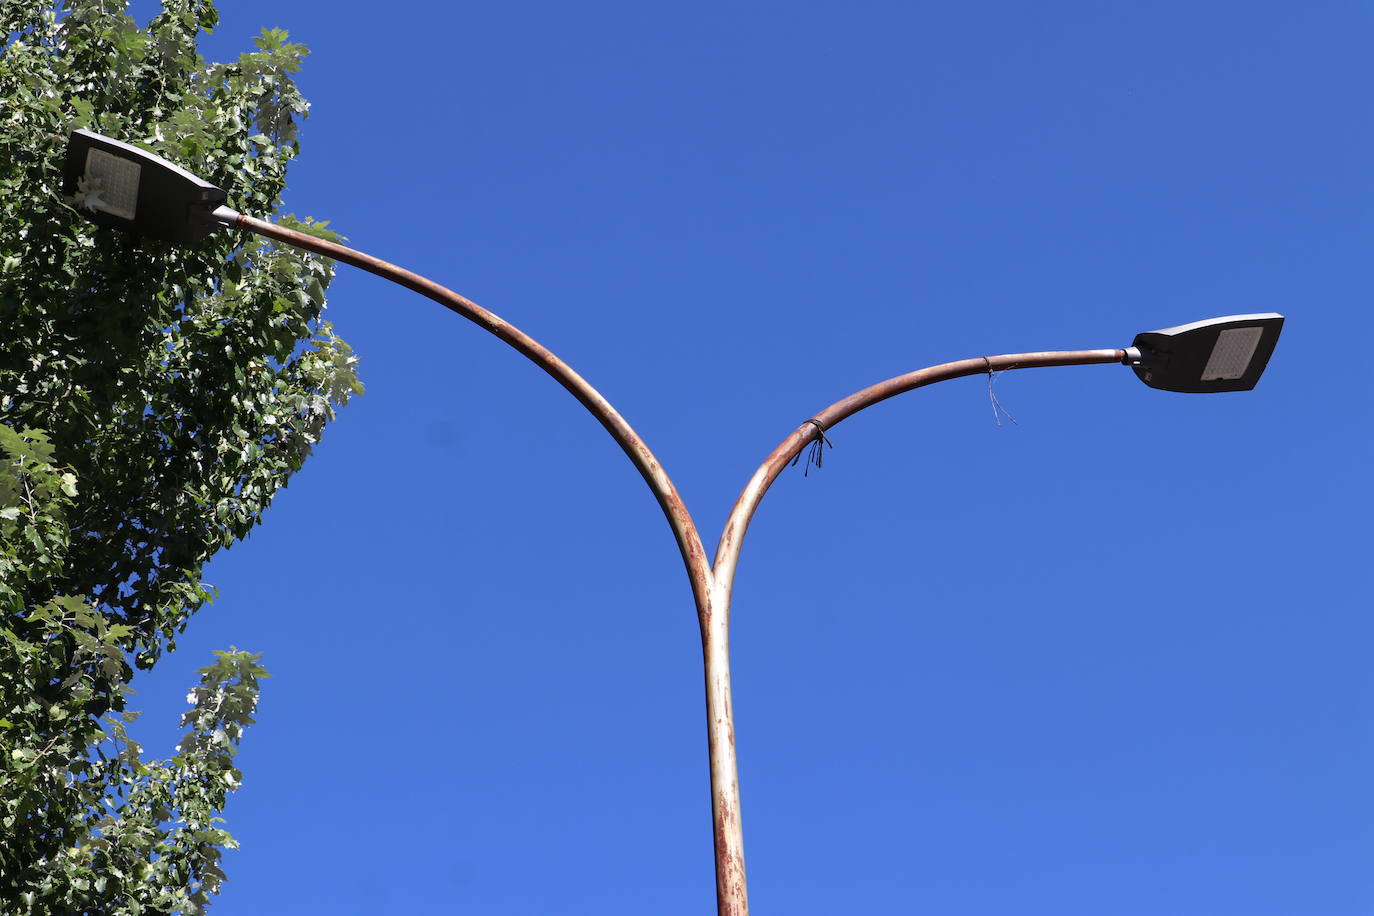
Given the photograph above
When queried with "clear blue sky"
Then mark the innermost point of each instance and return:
(1112, 660)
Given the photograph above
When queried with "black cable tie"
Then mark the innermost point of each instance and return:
(816, 453)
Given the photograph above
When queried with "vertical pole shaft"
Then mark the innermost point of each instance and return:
(715, 618)
(732, 897)
(711, 583)
(729, 839)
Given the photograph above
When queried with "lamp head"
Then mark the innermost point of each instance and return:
(1218, 354)
(123, 187)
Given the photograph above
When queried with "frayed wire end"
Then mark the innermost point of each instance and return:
(816, 453)
(998, 411)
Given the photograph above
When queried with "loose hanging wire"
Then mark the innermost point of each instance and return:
(816, 453)
(998, 411)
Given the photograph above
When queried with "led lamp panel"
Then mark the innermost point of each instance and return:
(111, 184)
(1232, 354)
(123, 187)
(1219, 354)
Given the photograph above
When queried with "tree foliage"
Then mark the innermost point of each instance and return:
(153, 399)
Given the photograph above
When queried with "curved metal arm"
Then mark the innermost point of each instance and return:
(716, 624)
(688, 540)
(711, 587)
(729, 839)
(732, 538)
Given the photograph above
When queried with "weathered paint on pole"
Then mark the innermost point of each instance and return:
(732, 538)
(688, 541)
(731, 896)
(711, 583)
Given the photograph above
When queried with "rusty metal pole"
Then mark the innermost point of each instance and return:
(711, 584)
(684, 531)
(732, 537)
(716, 622)
(731, 898)
(732, 542)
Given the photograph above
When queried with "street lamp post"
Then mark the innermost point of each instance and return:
(121, 186)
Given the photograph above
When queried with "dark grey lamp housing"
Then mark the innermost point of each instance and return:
(1219, 354)
(121, 186)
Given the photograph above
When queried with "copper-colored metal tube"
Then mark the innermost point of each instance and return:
(689, 542)
(711, 587)
(732, 538)
(729, 839)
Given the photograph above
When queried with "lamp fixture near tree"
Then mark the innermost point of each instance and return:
(123, 187)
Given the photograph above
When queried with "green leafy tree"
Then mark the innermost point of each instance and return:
(153, 400)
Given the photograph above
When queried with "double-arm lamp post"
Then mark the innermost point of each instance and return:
(127, 188)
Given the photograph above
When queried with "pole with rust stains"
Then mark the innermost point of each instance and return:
(190, 211)
(731, 896)
(716, 623)
(711, 584)
(732, 538)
